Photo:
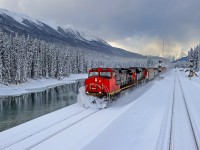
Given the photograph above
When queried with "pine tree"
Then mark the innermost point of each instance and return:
(6, 59)
(24, 59)
(1, 53)
(17, 52)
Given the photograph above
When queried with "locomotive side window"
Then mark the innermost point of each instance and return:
(105, 74)
(94, 73)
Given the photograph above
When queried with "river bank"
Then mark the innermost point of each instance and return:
(37, 85)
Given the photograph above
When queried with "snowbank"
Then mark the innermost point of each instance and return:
(37, 85)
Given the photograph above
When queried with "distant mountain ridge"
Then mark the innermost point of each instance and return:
(12, 22)
(181, 59)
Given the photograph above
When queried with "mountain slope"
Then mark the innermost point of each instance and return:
(181, 59)
(24, 25)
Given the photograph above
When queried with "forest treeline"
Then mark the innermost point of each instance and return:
(23, 57)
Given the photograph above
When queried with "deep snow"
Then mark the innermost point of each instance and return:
(37, 85)
(139, 119)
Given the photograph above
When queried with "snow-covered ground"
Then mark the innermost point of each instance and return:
(37, 85)
(162, 114)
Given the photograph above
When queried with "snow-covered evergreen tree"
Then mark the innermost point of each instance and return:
(6, 58)
(1, 53)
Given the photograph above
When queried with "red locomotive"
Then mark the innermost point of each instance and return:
(110, 81)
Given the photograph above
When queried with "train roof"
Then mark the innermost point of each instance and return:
(101, 69)
(115, 69)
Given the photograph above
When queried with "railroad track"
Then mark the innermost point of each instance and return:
(177, 131)
(49, 131)
(181, 119)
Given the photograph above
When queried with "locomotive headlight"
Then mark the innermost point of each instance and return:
(87, 92)
(95, 79)
(99, 92)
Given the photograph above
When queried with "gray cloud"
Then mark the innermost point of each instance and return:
(175, 21)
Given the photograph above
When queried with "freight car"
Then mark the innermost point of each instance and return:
(110, 81)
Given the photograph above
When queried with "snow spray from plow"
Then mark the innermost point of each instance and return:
(91, 101)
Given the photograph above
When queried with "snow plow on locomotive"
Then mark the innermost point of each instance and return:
(108, 82)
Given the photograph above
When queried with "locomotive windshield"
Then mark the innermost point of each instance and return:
(93, 73)
(105, 74)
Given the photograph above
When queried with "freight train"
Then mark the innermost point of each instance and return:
(108, 82)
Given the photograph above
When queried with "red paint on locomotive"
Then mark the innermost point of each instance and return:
(101, 81)
(109, 81)
(134, 76)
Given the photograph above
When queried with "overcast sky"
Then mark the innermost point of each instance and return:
(135, 25)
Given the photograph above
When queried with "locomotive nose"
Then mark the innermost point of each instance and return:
(95, 86)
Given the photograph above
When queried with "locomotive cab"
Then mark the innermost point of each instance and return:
(101, 82)
(93, 73)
